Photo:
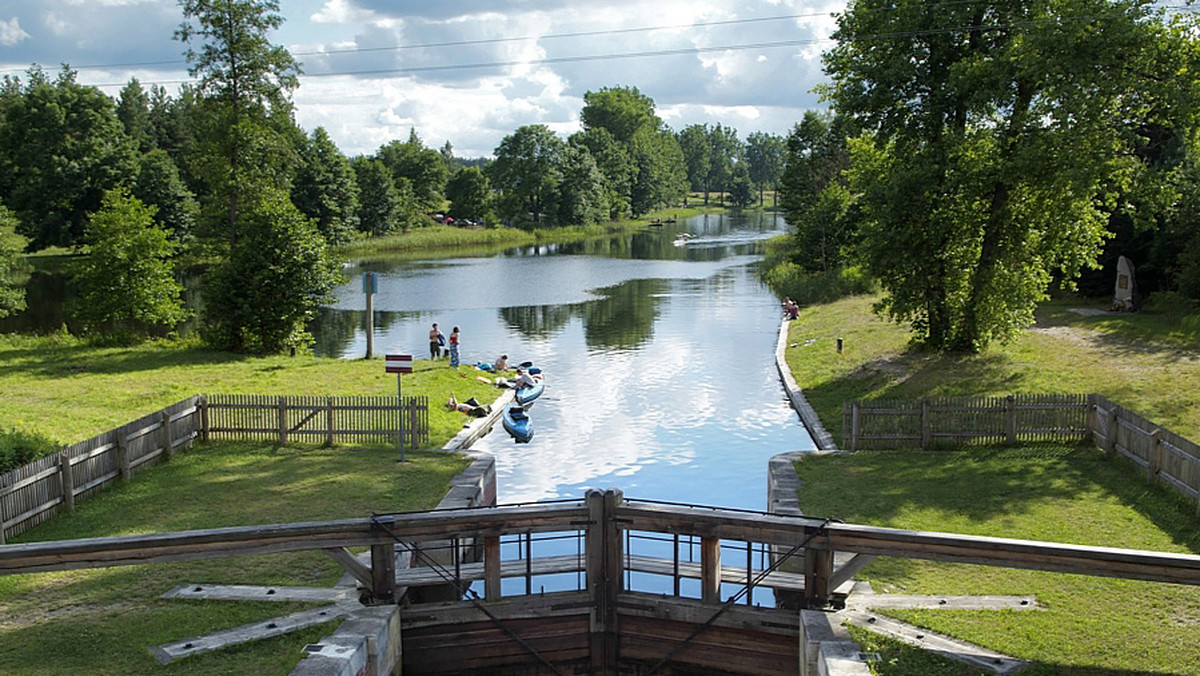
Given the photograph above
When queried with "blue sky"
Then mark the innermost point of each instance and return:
(469, 71)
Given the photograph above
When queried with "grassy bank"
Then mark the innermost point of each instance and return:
(67, 390)
(1085, 625)
(102, 621)
(1145, 361)
(475, 240)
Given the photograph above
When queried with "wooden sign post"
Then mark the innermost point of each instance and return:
(399, 364)
(370, 287)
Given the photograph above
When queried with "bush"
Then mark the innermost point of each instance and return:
(807, 288)
(18, 448)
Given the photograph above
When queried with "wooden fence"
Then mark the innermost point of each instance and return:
(325, 419)
(1165, 456)
(31, 494)
(926, 423)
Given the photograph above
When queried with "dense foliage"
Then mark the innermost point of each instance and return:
(983, 150)
(127, 282)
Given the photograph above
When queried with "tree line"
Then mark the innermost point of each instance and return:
(977, 153)
(221, 173)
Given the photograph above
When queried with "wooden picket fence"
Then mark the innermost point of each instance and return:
(1163, 455)
(37, 491)
(954, 421)
(328, 420)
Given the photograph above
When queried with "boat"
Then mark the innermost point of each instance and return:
(526, 395)
(517, 423)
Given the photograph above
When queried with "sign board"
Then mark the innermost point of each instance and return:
(370, 282)
(398, 363)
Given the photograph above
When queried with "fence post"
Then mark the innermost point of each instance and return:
(1010, 419)
(710, 570)
(67, 478)
(925, 423)
(1155, 466)
(818, 568)
(3, 519)
(329, 421)
(1110, 436)
(854, 421)
(282, 416)
(491, 567)
(202, 408)
(383, 573)
(123, 455)
(167, 445)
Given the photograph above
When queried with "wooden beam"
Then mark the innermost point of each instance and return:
(710, 570)
(350, 564)
(849, 569)
(383, 573)
(491, 568)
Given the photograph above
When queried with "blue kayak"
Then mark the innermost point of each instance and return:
(517, 423)
(526, 395)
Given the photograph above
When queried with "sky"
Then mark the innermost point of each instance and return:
(469, 71)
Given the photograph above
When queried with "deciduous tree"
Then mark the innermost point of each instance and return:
(996, 132)
(278, 274)
(12, 294)
(127, 281)
(527, 170)
(326, 189)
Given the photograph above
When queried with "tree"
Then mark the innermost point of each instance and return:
(661, 176)
(158, 185)
(379, 203)
(63, 148)
(615, 163)
(724, 151)
(623, 111)
(741, 188)
(423, 168)
(326, 188)
(580, 199)
(278, 274)
(527, 170)
(133, 110)
(244, 87)
(127, 282)
(12, 295)
(764, 159)
(816, 202)
(694, 143)
(986, 164)
(470, 194)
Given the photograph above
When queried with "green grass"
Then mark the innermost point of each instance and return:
(1087, 625)
(1146, 361)
(102, 621)
(67, 390)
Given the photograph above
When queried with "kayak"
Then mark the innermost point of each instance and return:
(526, 395)
(517, 423)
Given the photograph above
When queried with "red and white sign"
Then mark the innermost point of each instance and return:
(398, 363)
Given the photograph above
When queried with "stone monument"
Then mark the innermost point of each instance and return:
(1125, 295)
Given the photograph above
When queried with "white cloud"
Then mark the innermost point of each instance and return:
(11, 32)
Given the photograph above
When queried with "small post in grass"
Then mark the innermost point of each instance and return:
(399, 364)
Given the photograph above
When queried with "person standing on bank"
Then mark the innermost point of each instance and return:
(454, 347)
(435, 343)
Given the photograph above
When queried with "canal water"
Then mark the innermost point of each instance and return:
(658, 356)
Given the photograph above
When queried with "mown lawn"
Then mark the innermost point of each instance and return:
(1085, 625)
(102, 621)
(65, 389)
(1147, 362)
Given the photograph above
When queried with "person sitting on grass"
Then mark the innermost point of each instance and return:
(501, 363)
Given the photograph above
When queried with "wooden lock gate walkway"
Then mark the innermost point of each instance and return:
(603, 626)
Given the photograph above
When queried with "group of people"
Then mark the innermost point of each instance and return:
(791, 309)
(437, 345)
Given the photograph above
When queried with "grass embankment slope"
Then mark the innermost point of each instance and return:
(68, 390)
(1141, 361)
(1085, 625)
